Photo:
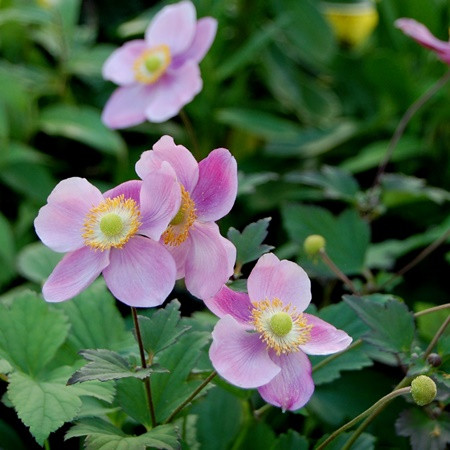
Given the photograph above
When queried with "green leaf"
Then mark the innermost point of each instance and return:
(26, 14)
(7, 251)
(132, 399)
(9, 438)
(347, 237)
(88, 62)
(5, 367)
(290, 441)
(249, 243)
(107, 365)
(258, 435)
(391, 323)
(247, 182)
(31, 333)
(83, 124)
(162, 329)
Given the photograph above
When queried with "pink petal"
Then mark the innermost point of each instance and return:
(129, 189)
(75, 272)
(174, 90)
(180, 254)
(127, 104)
(272, 278)
(235, 304)
(59, 223)
(239, 356)
(160, 201)
(140, 274)
(207, 268)
(325, 338)
(216, 189)
(293, 386)
(179, 157)
(119, 65)
(173, 26)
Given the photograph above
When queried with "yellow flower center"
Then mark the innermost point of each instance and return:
(178, 230)
(152, 64)
(280, 326)
(111, 224)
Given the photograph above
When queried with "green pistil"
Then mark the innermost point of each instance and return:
(152, 63)
(281, 323)
(111, 225)
(179, 217)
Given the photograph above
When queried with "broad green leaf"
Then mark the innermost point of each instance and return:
(391, 323)
(291, 440)
(88, 62)
(187, 425)
(132, 399)
(429, 324)
(31, 333)
(248, 182)
(258, 435)
(26, 15)
(249, 244)
(7, 251)
(5, 367)
(364, 442)
(347, 237)
(83, 124)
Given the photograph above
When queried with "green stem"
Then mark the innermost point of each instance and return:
(262, 410)
(192, 396)
(436, 337)
(431, 310)
(46, 445)
(146, 380)
(335, 269)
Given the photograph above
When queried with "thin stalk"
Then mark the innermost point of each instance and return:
(325, 361)
(190, 131)
(436, 337)
(146, 380)
(335, 269)
(192, 396)
(262, 410)
(431, 310)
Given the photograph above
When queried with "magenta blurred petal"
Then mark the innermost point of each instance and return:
(129, 189)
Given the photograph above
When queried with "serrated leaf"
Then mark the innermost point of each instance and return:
(132, 399)
(31, 332)
(291, 441)
(249, 243)
(5, 367)
(391, 323)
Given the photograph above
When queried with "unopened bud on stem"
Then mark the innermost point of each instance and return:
(314, 244)
(423, 390)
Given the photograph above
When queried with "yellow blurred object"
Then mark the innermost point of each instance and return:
(352, 23)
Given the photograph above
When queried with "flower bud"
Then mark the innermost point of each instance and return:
(314, 244)
(434, 360)
(423, 390)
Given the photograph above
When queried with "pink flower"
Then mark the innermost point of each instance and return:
(116, 234)
(159, 75)
(208, 190)
(421, 34)
(262, 338)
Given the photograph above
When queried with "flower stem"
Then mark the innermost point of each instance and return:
(436, 337)
(146, 380)
(335, 269)
(431, 310)
(192, 396)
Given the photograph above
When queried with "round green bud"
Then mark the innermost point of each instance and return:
(314, 244)
(423, 390)
(281, 323)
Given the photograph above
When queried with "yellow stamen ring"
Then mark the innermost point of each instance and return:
(152, 64)
(111, 224)
(281, 327)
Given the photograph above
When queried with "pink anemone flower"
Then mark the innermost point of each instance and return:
(208, 190)
(421, 34)
(158, 75)
(262, 338)
(116, 234)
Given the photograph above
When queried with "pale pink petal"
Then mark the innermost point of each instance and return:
(227, 301)
(293, 386)
(174, 90)
(129, 189)
(119, 65)
(59, 223)
(160, 201)
(75, 272)
(324, 338)
(207, 269)
(216, 189)
(231, 254)
(127, 104)
(179, 157)
(173, 26)
(180, 254)
(141, 273)
(239, 356)
(285, 280)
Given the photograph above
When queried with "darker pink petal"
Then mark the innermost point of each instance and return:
(325, 338)
(216, 189)
(239, 356)
(293, 386)
(129, 189)
(141, 274)
(227, 301)
(272, 278)
(75, 272)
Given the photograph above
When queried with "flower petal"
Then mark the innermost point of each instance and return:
(127, 104)
(272, 278)
(180, 254)
(174, 90)
(129, 189)
(140, 274)
(179, 157)
(119, 65)
(173, 26)
(59, 223)
(239, 356)
(235, 304)
(160, 201)
(216, 189)
(325, 338)
(207, 266)
(293, 386)
(75, 272)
